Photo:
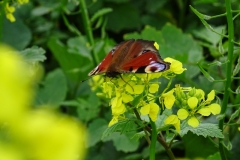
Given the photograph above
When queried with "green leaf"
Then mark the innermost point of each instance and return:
(139, 135)
(148, 33)
(204, 129)
(215, 156)
(198, 146)
(40, 11)
(216, 63)
(160, 121)
(88, 108)
(176, 44)
(237, 67)
(124, 16)
(100, 13)
(71, 27)
(34, 54)
(200, 15)
(234, 115)
(95, 130)
(238, 90)
(210, 36)
(205, 73)
(54, 89)
(122, 126)
(74, 60)
(16, 34)
(124, 142)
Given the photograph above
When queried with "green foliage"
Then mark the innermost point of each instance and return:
(124, 142)
(204, 129)
(53, 89)
(123, 126)
(34, 54)
(17, 34)
(199, 150)
(96, 129)
(62, 46)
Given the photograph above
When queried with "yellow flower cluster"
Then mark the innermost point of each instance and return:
(191, 102)
(124, 90)
(9, 10)
(32, 134)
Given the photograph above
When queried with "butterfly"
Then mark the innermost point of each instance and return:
(131, 56)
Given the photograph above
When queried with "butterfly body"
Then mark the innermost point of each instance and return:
(131, 56)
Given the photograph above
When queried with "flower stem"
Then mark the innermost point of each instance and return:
(153, 140)
(159, 138)
(2, 14)
(87, 27)
(228, 74)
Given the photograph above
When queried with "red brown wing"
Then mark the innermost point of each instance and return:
(143, 57)
(103, 66)
(137, 56)
(146, 63)
(112, 61)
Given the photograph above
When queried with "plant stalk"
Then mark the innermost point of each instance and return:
(228, 74)
(2, 14)
(159, 138)
(153, 140)
(88, 29)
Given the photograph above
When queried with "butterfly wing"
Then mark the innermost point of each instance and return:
(103, 66)
(136, 56)
(146, 63)
(143, 57)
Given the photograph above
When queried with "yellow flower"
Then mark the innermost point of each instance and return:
(210, 96)
(192, 102)
(214, 108)
(10, 9)
(152, 109)
(204, 111)
(51, 136)
(154, 75)
(169, 99)
(9, 12)
(107, 89)
(200, 94)
(175, 67)
(173, 120)
(127, 98)
(182, 114)
(95, 80)
(150, 98)
(145, 109)
(156, 45)
(113, 121)
(153, 88)
(136, 89)
(193, 121)
(15, 87)
(117, 106)
(22, 1)
(37, 134)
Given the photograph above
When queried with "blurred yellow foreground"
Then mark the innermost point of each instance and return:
(33, 134)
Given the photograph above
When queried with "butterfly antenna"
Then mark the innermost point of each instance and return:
(126, 82)
(85, 79)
